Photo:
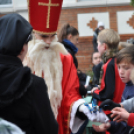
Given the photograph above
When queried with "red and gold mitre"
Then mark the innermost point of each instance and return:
(44, 15)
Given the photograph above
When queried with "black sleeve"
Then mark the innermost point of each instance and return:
(82, 90)
(95, 43)
(96, 71)
(119, 128)
(81, 115)
(42, 115)
(74, 58)
(108, 91)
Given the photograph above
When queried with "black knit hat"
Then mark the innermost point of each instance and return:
(14, 32)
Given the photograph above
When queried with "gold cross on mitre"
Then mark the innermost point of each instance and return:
(49, 7)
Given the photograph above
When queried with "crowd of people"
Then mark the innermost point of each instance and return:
(45, 96)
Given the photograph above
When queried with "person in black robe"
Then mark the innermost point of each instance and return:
(100, 27)
(23, 97)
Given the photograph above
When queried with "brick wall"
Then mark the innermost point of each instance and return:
(2, 15)
(85, 43)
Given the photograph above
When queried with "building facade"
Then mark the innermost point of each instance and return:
(84, 15)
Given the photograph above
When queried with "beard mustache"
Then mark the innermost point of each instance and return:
(49, 62)
(40, 45)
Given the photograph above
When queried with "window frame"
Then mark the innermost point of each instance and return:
(7, 5)
(84, 0)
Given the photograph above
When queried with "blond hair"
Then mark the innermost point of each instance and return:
(110, 37)
(123, 45)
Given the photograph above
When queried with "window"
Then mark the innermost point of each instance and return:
(5, 3)
(86, 0)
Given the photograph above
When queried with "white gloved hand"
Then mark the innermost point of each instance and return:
(95, 117)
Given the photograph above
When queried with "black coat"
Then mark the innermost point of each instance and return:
(23, 98)
(96, 70)
(95, 44)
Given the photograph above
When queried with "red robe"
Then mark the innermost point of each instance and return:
(70, 93)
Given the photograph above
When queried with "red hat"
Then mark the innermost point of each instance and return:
(44, 15)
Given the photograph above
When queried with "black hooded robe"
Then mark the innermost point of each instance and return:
(23, 97)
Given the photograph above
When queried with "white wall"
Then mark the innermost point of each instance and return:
(123, 26)
(24, 14)
(84, 19)
(69, 1)
(22, 4)
(93, 3)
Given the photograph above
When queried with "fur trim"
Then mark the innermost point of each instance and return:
(59, 48)
(75, 122)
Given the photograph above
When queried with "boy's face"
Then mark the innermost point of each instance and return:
(101, 47)
(124, 71)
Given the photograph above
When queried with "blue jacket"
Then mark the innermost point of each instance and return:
(122, 127)
(128, 91)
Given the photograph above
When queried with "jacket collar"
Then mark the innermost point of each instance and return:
(70, 45)
(129, 83)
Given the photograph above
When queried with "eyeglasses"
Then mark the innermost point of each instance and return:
(29, 38)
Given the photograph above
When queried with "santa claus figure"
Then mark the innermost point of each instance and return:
(49, 59)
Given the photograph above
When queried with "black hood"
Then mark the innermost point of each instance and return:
(14, 78)
(14, 31)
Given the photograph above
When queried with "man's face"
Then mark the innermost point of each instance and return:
(101, 28)
(96, 58)
(124, 71)
(48, 38)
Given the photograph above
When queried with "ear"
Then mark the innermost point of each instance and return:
(69, 37)
(22, 50)
(105, 46)
(36, 35)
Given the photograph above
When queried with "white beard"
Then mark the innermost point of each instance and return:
(49, 62)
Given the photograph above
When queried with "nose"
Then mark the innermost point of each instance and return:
(48, 41)
(121, 72)
(98, 60)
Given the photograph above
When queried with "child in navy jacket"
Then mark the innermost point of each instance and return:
(125, 61)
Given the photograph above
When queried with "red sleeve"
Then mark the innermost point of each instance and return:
(131, 120)
(70, 92)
